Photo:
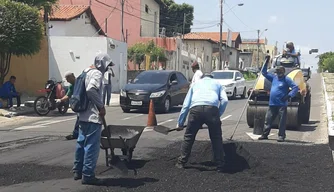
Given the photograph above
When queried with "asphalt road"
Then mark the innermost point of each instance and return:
(36, 157)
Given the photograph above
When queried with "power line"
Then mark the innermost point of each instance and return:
(237, 16)
(130, 14)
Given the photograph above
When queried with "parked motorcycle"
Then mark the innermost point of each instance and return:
(44, 104)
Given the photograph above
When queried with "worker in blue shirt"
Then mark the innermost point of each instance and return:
(206, 102)
(278, 101)
(9, 92)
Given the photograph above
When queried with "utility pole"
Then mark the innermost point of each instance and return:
(258, 48)
(122, 21)
(184, 24)
(221, 36)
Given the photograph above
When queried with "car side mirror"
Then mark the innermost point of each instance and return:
(238, 78)
(130, 81)
(174, 82)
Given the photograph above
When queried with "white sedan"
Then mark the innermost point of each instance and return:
(233, 81)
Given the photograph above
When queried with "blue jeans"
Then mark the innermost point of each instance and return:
(107, 93)
(87, 149)
(75, 132)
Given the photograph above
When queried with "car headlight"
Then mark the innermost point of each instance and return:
(123, 93)
(229, 85)
(157, 94)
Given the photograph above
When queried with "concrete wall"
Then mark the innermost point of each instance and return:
(77, 53)
(76, 27)
(202, 50)
(246, 58)
(150, 19)
(31, 72)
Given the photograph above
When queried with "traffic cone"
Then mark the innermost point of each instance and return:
(152, 120)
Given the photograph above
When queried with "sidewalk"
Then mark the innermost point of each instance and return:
(328, 85)
(114, 101)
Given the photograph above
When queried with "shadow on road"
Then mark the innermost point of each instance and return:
(127, 182)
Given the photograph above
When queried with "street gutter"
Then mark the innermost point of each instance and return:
(330, 122)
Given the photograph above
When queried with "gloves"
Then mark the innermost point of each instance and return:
(285, 98)
(179, 128)
(58, 101)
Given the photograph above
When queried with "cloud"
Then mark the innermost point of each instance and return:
(272, 19)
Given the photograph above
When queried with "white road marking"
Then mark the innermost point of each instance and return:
(255, 137)
(224, 118)
(132, 116)
(169, 120)
(43, 124)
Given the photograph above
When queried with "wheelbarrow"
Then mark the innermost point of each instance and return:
(122, 137)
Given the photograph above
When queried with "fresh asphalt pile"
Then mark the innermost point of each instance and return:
(252, 167)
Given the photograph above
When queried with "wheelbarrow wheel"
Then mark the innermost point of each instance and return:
(128, 153)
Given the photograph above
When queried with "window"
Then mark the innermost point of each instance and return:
(146, 8)
(172, 78)
(207, 58)
(181, 77)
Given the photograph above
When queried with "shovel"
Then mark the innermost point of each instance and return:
(165, 130)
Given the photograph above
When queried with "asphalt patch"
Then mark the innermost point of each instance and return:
(253, 167)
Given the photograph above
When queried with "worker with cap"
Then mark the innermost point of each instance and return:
(90, 121)
(205, 102)
(197, 73)
(292, 51)
(278, 100)
(70, 78)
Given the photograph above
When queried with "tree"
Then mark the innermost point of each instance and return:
(20, 32)
(172, 17)
(326, 61)
(137, 53)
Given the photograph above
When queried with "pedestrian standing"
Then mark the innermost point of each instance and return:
(197, 73)
(206, 102)
(90, 121)
(278, 100)
(107, 84)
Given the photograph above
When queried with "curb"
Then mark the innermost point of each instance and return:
(17, 113)
(330, 123)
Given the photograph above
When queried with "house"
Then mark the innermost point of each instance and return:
(230, 55)
(75, 38)
(215, 36)
(141, 17)
(73, 20)
(251, 45)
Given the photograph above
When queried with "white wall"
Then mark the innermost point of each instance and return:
(77, 53)
(76, 27)
(150, 21)
(203, 51)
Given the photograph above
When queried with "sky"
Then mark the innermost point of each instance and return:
(304, 22)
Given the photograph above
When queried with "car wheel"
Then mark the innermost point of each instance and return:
(167, 104)
(126, 110)
(243, 96)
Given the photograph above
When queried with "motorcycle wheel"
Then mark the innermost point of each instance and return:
(62, 108)
(41, 101)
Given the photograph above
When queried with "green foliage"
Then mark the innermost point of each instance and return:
(20, 28)
(249, 75)
(137, 52)
(20, 32)
(326, 62)
(40, 4)
(172, 17)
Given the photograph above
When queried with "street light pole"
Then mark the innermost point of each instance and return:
(258, 48)
(221, 35)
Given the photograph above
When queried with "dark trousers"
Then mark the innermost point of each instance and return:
(271, 115)
(198, 116)
(10, 100)
(107, 93)
(76, 129)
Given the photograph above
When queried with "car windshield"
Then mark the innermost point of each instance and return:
(222, 75)
(151, 78)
